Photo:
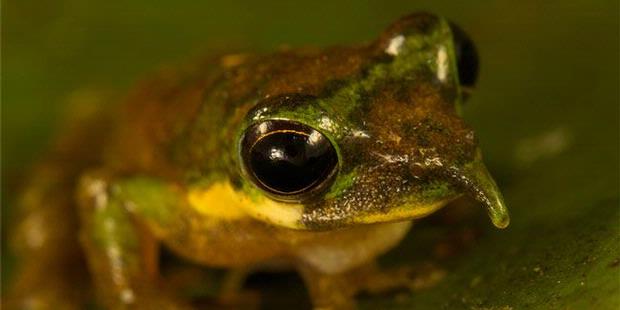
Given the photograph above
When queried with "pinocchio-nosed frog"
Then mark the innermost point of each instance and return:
(319, 159)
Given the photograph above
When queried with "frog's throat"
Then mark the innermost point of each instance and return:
(477, 182)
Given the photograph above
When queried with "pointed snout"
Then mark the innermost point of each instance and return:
(475, 180)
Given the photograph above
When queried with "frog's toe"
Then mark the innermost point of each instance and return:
(42, 299)
(373, 280)
(242, 299)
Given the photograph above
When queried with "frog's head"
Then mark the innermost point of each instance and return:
(385, 143)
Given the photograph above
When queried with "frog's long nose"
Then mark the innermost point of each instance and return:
(475, 179)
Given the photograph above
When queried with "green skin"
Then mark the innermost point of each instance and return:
(389, 109)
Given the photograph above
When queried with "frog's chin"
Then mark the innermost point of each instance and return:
(290, 215)
(403, 213)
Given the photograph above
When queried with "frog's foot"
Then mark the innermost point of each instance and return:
(49, 295)
(245, 299)
(328, 291)
(337, 291)
(41, 300)
(198, 285)
(371, 279)
(232, 293)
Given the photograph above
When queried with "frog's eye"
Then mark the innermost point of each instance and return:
(288, 159)
(466, 56)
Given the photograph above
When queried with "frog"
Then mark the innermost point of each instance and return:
(318, 159)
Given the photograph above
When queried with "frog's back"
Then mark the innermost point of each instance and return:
(182, 121)
(154, 114)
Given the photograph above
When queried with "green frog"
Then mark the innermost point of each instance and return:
(315, 159)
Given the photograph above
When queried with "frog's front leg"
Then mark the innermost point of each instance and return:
(328, 291)
(117, 221)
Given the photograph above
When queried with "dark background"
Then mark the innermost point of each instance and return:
(546, 112)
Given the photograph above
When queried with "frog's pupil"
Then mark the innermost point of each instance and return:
(289, 162)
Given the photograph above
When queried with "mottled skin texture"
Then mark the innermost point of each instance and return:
(170, 171)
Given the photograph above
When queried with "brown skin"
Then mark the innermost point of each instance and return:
(168, 172)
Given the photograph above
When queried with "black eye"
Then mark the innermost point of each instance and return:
(288, 159)
(466, 56)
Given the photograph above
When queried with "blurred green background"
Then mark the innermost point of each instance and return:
(546, 111)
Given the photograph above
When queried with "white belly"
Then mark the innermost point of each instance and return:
(343, 250)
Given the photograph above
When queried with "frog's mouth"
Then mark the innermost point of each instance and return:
(471, 179)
